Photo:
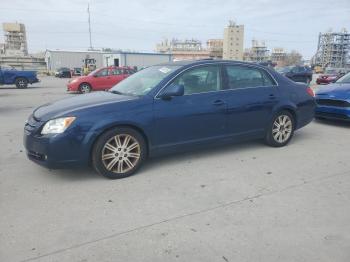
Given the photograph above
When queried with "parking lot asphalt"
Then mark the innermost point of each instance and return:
(240, 202)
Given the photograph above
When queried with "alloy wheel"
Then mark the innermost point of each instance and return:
(121, 153)
(84, 88)
(282, 128)
(21, 83)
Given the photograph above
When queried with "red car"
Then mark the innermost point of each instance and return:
(329, 77)
(100, 79)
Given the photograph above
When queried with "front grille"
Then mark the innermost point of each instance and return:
(332, 102)
(36, 155)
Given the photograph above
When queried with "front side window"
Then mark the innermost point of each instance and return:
(103, 72)
(200, 80)
(243, 77)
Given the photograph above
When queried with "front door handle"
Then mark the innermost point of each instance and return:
(218, 103)
(272, 96)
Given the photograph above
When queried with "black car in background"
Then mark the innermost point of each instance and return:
(297, 73)
(63, 72)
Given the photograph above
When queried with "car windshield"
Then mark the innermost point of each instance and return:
(283, 69)
(144, 81)
(94, 72)
(344, 79)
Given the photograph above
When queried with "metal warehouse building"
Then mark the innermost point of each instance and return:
(72, 59)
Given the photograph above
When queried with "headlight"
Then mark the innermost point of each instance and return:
(57, 126)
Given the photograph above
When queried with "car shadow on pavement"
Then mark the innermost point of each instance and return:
(233, 148)
(337, 123)
(74, 174)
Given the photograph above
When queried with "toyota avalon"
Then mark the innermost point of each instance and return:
(168, 108)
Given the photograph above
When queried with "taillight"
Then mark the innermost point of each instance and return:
(310, 91)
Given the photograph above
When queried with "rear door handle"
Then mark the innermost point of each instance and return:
(218, 103)
(272, 96)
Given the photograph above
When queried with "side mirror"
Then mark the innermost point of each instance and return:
(172, 90)
(95, 75)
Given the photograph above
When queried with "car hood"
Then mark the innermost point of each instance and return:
(337, 90)
(69, 105)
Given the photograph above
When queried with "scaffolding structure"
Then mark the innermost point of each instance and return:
(15, 39)
(258, 52)
(333, 49)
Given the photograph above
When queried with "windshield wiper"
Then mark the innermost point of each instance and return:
(116, 92)
(120, 93)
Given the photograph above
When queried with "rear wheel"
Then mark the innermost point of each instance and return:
(84, 88)
(119, 153)
(281, 130)
(21, 82)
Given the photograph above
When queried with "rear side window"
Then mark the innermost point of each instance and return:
(116, 71)
(200, 80)
(128, 71)
(244, 77)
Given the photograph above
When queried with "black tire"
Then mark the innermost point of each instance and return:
(21, 82)
(85, 88)
(270, 137)
(118, 155)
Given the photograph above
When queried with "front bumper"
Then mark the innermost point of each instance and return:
(336, 113)
(71, 87)
(53, 151)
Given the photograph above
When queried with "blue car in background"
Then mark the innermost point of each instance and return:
(165, 109)
(19, 78)
(333, 101)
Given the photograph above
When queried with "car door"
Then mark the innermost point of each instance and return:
(101, 79)
(251, 96)
(116, 76)
(200, 114)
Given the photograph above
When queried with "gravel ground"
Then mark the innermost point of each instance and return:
(242, 202)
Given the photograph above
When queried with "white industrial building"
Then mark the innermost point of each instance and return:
(75, 59)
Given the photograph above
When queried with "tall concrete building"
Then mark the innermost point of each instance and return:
(15, 39)
(233, 42)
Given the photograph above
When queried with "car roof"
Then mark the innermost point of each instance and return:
(208, 61)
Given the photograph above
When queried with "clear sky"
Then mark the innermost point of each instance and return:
(139, 25)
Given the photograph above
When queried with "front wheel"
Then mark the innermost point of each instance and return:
(21, 82)
(119, 153)
(281, 130)
(85, 88)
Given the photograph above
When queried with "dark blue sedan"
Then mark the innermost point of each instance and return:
(333, 101)
(168, 108)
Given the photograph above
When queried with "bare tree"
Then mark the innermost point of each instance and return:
(293, 58)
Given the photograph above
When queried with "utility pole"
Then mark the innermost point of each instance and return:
(88, 10)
